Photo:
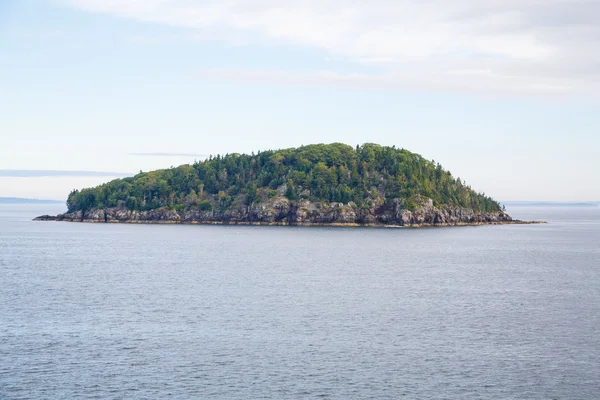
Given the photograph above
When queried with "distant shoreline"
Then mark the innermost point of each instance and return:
(550, 204)
(21, 200)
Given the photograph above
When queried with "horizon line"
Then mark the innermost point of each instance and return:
(39, 173)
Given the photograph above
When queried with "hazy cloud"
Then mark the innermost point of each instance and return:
(483, 81)
(168, 155)
(24, 173)
(508, 46)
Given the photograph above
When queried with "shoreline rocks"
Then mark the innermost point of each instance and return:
(281, 211)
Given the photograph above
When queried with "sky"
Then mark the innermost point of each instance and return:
(504, 94)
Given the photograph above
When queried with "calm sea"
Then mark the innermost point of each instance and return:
(103, 311)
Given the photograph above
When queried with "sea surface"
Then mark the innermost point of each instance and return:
(115, 311)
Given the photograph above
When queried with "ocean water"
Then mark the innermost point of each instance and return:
(106, 311)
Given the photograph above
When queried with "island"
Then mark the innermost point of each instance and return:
(321, 184)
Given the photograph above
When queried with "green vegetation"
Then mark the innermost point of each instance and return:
(328, 173)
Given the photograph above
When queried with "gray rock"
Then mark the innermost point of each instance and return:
(280, 210)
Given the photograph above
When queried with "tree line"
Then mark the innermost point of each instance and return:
(321, 172)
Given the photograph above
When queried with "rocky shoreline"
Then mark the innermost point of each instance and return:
(280, 211)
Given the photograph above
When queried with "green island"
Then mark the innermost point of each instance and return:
(320, 184)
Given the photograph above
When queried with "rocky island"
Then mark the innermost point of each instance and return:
(333, 184)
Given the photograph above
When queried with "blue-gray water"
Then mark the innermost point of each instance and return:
(214, 312)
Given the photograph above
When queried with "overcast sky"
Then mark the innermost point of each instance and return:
(504, 94)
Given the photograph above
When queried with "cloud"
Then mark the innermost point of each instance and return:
(168, 155)
(22, 173)
(515, 46)
(483, 81)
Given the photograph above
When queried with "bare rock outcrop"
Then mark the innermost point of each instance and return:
(279, 210)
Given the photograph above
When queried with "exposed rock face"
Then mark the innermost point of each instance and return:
(281, 211)
(123, 215)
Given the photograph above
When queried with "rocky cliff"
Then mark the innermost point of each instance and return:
(281, 211)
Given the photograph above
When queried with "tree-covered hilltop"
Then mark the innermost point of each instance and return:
(334, 173)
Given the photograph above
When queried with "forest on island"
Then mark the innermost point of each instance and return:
(321, 172)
